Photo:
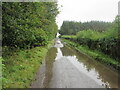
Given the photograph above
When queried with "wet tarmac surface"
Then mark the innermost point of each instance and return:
(64, 67)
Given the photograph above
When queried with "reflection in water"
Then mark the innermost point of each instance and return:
(67, 52)
(59, 54)
(50, 58)
(82, 68)
(99, 72)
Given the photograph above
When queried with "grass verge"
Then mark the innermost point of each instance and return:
(21, 66)
(95, 54)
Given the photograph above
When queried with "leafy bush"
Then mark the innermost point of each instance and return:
(28, 24)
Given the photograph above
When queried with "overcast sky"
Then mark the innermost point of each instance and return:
(87, 10)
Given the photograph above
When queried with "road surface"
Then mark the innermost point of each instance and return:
(64, 67)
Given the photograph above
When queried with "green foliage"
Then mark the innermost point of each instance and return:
(71, 27)
(88, 34)
(20, 66)
(94, 35)
(108, 46)
(24, 26)
(106, 42)
(2, 68)
(69, 36)
(117, 25)
(28, 24)
(95, 54)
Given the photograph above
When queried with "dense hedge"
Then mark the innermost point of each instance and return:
(28, 24)
(109, 46)
(107, 42)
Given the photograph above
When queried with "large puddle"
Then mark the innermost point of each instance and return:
(100, 73)
(97, 71)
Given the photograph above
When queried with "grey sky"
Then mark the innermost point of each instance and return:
(87, 10)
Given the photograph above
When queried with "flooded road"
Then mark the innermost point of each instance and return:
(64, 67)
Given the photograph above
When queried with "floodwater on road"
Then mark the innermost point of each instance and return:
(64, 67)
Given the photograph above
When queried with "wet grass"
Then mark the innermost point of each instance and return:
(99, 56)
(21, 66)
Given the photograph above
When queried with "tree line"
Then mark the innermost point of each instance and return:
(72, 27)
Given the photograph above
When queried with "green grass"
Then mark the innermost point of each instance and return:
(1, 66)
(95, 54)
(21, 66)
(69, 36)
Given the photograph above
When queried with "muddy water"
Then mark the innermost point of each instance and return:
(67, 68)
(102, 74)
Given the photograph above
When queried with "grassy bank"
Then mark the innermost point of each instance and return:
(21, 66)
(99, 56)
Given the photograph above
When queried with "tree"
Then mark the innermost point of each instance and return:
(72, 27)
(28, 24)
